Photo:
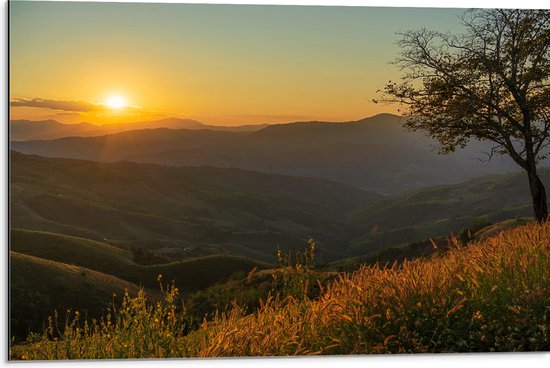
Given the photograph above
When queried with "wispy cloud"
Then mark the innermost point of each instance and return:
(74, 106)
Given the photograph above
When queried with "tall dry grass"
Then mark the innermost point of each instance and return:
(489, 296)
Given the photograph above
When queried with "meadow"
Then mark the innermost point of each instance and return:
(488, 295)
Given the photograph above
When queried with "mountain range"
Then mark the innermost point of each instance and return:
(25, 130)
(376, 154)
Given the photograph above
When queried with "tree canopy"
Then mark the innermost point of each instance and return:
(490, 83)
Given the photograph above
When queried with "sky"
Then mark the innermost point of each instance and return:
(109, 63)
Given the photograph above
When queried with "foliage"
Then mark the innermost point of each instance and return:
(490, 296)
(293, 275)
(491, 83)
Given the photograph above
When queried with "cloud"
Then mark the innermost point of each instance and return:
(74, 106)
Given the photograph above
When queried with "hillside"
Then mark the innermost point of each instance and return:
(39, 286)
(172, 209)
(489, 296)
(375, 153)
(436, 211)
(188, 212)
(54, 272)
(189, 274)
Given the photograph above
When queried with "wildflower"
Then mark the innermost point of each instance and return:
(478, 315)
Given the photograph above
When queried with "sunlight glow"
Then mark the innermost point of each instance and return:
(116, 102)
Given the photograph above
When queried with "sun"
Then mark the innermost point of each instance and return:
(116, 102)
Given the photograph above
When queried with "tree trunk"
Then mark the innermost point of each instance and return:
(538, 195)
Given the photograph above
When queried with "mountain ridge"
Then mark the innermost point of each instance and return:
(30, 130)
(376, 153)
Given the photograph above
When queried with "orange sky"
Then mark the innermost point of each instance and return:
(219, 64)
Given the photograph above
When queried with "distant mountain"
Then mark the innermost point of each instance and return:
(47, 129)
(25, 130)
(169, 210)
(375, 154)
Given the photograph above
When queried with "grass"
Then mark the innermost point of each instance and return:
(53, 271)
(493, 295)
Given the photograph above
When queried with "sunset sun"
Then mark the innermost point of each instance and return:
(116, 102)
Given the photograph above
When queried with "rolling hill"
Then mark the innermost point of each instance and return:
(39, 286)
(489, 296)
(170, 209)
(54, 272)
(375, 153)
(182, 212)
(76, 225)
(438, 210)
(189, 274)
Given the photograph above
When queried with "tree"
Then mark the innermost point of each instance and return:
(491, 83)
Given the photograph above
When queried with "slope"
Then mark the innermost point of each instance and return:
(491, 296)
(54, 272)
(190, 274)
(439, 210)
(171, 209)
(39, 286)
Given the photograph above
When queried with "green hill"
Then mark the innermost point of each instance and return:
(170, 209)
(73, 250)
(436, 211)
(187, 212)
(190, 274)
(54, 271)
(39, 286)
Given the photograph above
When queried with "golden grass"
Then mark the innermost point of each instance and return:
(492, 295)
